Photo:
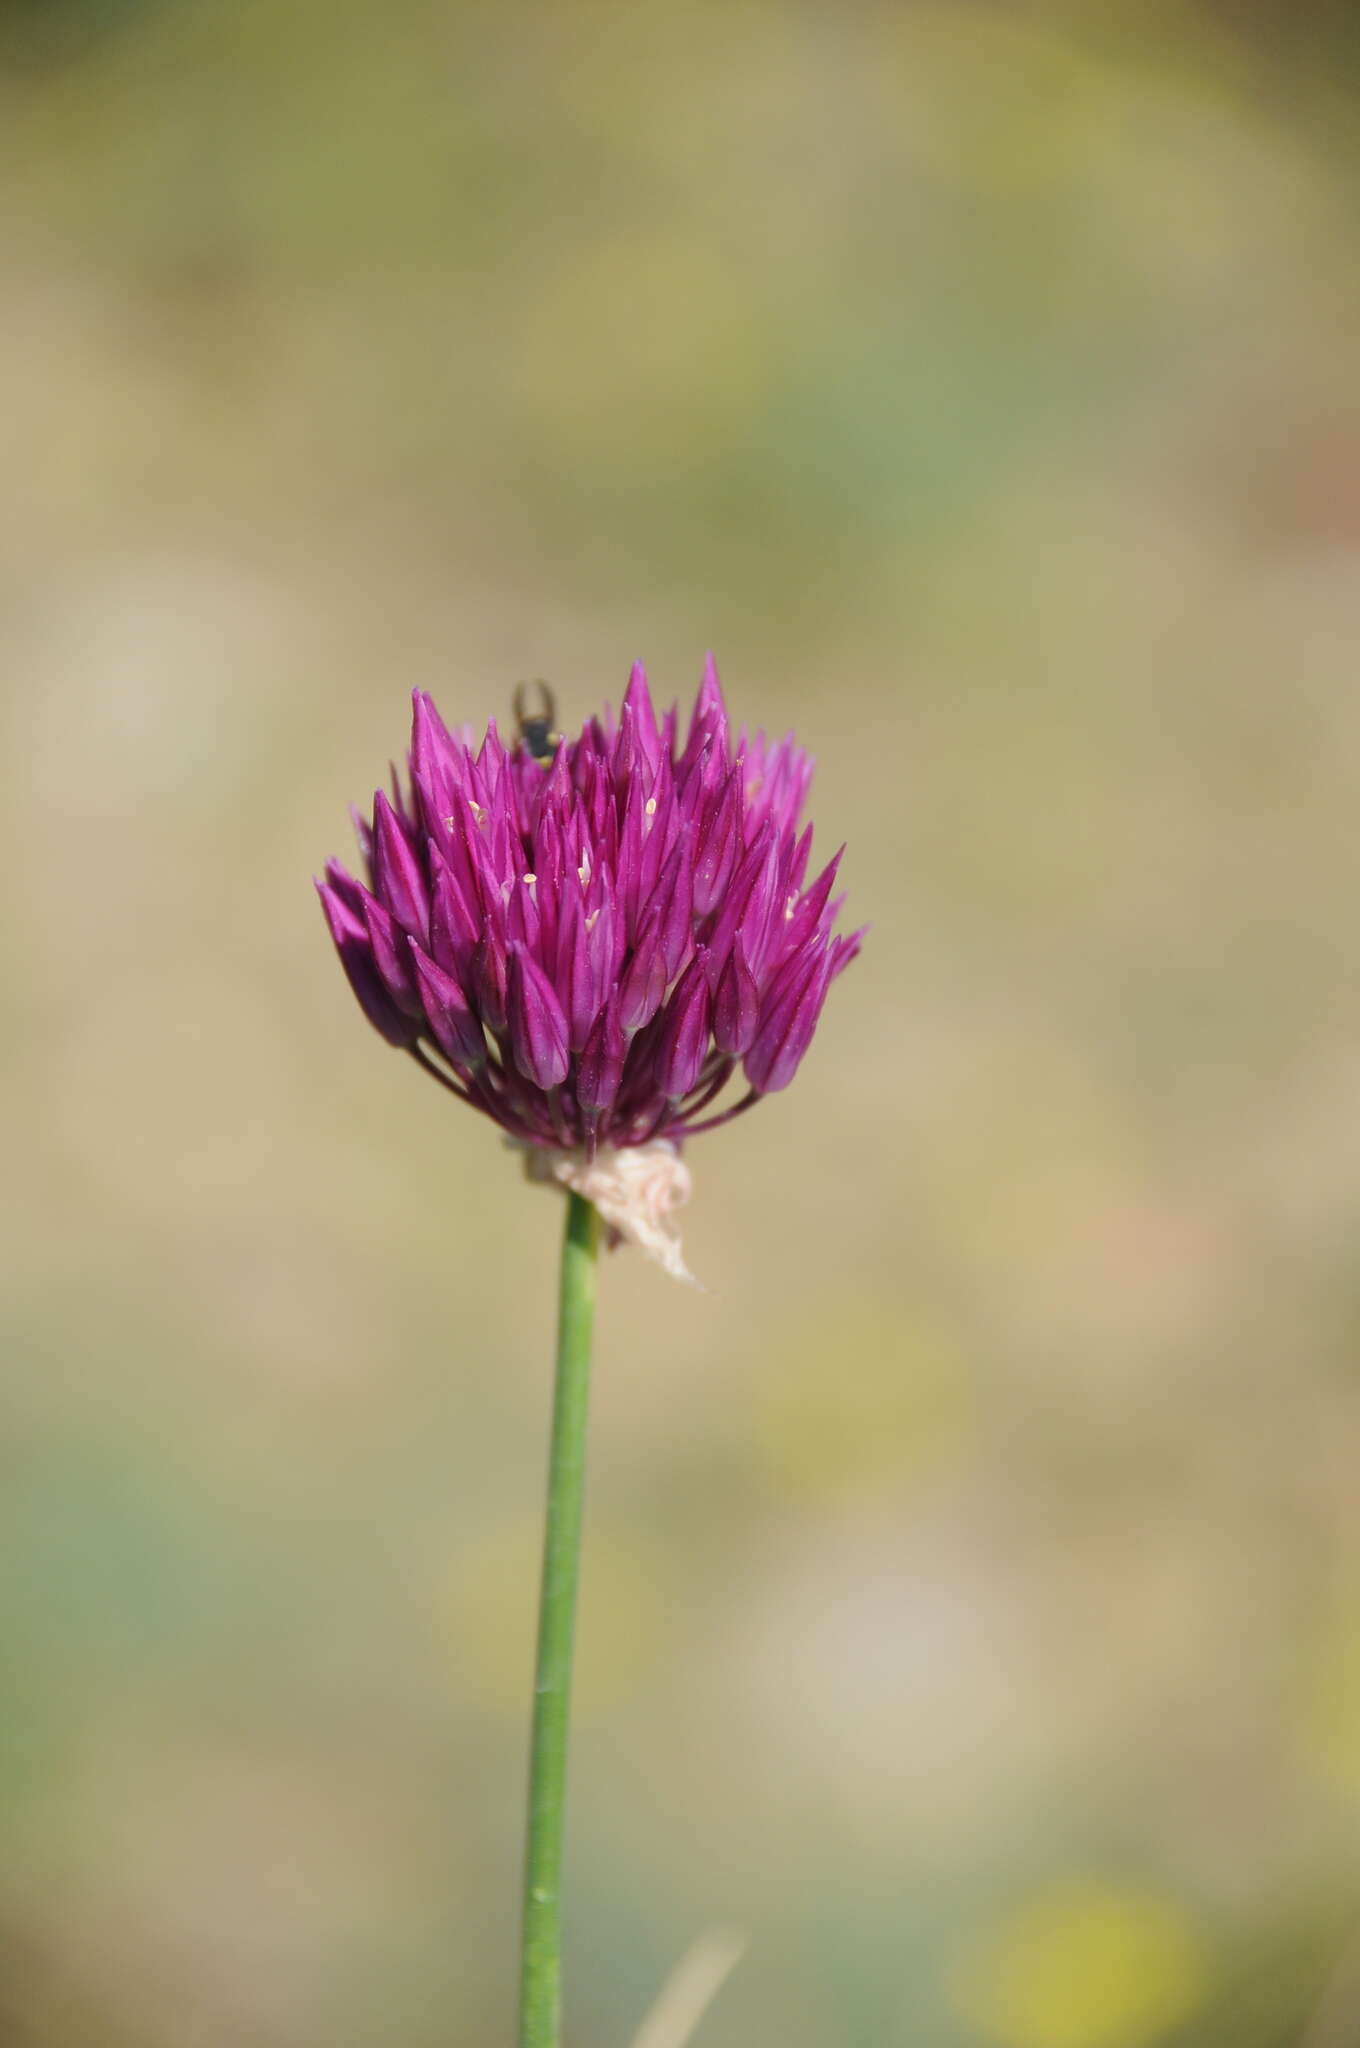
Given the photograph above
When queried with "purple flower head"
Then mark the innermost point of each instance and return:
(583, 938)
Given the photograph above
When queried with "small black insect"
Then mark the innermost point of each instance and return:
(538, 733)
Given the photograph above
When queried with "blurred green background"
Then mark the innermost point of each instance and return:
(972, 1610)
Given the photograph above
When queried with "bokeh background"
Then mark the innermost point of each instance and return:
(972, 1610)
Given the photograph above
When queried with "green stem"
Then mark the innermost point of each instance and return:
(540, 2021)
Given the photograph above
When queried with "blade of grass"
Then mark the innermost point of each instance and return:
(690, 1990)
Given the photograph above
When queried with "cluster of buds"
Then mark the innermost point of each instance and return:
(584, 938)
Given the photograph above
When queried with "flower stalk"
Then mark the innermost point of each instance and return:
(541, 1972)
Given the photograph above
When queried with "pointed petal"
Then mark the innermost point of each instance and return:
(844, 950)
(388, 941)
(788, 1020)
(352, 943)
(537, 1026)
(435, 765)
(521, 919)
(457, 1030)
(672, 901)
(746, 905)
(708, 728)
(397, 879)
(600, 1067)
(583, 985)
(645, 979)
(805, 916)
(719, 844)
(490, 979)
(736, 1007)
(639, 712)
(350, 892)
(454, 931)
(684, 1037)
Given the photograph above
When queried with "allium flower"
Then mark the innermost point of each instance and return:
(583, 938)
